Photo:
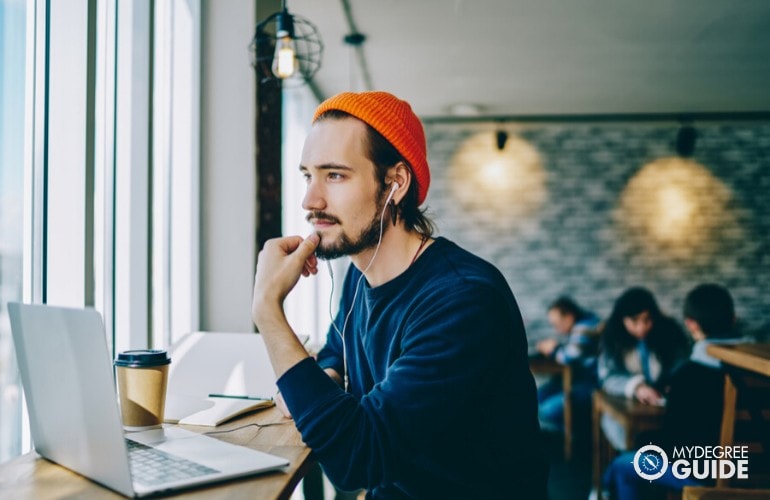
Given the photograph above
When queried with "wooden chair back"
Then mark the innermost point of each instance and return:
(746, 422)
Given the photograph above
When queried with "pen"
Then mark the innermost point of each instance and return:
(239, 396)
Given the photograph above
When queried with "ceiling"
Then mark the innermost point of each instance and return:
(543, 57)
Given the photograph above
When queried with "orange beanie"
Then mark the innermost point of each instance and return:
(395, 120)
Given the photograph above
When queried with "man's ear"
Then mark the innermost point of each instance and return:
(401, 174)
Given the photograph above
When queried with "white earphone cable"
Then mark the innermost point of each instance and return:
(355, 294)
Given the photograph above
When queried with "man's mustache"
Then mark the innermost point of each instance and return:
(321, 216)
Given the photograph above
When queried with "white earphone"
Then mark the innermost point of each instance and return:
(355, 294)
(392, 192)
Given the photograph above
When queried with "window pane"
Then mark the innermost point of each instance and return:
(175, 167)
(12, 52)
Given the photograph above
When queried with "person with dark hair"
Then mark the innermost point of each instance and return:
(576, 346)
(423, 388)
(710, 312)
(694, 394)
(639, 349)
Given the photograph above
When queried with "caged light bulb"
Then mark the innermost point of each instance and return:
(285, 58)
(285, 62)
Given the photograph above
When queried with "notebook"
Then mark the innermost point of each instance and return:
(216, 376)
(209, 411)
(67, 374)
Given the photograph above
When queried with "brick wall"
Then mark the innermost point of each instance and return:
(590, 213)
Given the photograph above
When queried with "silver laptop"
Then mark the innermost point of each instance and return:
(67, 374)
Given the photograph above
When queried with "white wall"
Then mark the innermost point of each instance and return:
(228, 174)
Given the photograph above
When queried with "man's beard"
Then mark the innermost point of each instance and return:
(369, 237)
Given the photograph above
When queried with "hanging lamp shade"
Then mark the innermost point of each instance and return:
(286, 49)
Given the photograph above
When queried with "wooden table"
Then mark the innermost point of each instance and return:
(751, 357)
(32, 477)
(548, 366)
(635, 417)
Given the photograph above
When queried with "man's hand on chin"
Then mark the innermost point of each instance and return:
(279, 265)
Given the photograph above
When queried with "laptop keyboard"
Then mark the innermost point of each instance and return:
(150, 466)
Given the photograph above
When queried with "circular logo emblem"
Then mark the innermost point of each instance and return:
(650, 462)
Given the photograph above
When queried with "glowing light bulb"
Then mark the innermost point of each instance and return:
(285, 62)
(285, 58)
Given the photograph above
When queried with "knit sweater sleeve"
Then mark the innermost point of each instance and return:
(456, 341)
(330, 355)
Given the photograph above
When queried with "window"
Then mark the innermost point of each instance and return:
(175, 171)
(98, 180)
(12, 100)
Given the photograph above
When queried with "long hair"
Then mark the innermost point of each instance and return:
(384, 156)
(666, 338)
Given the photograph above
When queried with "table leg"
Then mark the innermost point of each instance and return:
(567, 391)
(596, 415)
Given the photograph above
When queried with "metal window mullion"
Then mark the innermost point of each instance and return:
(34, 153)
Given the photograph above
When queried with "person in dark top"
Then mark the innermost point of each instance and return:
(422, 389)
(694, 396)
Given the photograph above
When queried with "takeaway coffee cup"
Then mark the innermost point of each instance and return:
(142, 377)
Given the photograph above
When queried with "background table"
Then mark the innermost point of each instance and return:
(548, 366)
(635, 417)
(751, 357)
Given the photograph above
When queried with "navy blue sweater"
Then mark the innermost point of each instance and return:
(442, 403)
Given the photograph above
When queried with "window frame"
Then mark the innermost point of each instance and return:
(89, 134)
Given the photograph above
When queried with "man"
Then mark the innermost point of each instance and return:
(579, 329)
(578, 347)
(423, 388)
